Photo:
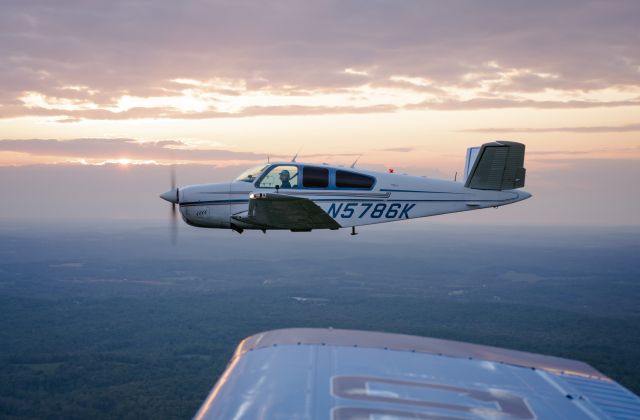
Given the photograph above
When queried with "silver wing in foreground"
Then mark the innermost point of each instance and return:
(343, 374)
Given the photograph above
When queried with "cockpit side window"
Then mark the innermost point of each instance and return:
(346, 179)
(281, 176)
(314, 177)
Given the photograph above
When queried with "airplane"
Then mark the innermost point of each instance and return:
(320, 373)
(302, 197)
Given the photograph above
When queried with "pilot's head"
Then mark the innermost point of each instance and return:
(285, 176)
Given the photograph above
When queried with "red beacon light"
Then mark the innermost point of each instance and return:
(391, 170)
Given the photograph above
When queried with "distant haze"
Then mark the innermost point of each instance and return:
(575, 192)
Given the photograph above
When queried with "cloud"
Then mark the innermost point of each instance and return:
(109, 149)
(114, 150)
(561, 155)
(398, 149)
(442, 104)
(496, 103)
(586, 129)
(137, 59)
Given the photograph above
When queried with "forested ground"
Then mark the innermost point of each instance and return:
(116, 323)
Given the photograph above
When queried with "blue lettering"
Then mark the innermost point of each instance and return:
(368, 206)
(405, 210)
(333, 211)
(348, 210)
(393, 211)
(378, 210)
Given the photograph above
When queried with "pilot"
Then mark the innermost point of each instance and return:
(285, 176)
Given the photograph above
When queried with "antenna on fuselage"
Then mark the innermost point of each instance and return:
(296, 155)
(353, 165)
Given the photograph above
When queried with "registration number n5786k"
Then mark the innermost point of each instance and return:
(373, 210)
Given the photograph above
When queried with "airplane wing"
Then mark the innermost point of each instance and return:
(281, 211)
(344, 374)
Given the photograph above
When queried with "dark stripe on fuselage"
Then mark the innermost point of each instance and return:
(422, 192)
(229, 202)
(213, 203)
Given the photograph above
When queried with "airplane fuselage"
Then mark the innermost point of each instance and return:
(389, 197)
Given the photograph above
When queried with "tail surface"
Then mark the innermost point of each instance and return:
(495, 166)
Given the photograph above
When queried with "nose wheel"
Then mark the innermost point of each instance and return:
(353, 231)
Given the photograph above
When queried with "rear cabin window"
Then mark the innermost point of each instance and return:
(345, 179)
(315, 177)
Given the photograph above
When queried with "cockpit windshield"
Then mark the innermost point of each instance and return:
(250, 175)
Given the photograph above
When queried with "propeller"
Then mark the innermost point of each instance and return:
(174, 215)
(173, 197)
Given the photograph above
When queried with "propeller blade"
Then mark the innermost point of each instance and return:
(174, 214)
(174, 225)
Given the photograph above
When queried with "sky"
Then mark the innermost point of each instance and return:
(98, 98)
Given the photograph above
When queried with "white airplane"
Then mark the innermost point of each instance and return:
(301, 197)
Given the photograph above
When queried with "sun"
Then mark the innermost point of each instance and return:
(124, 161)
